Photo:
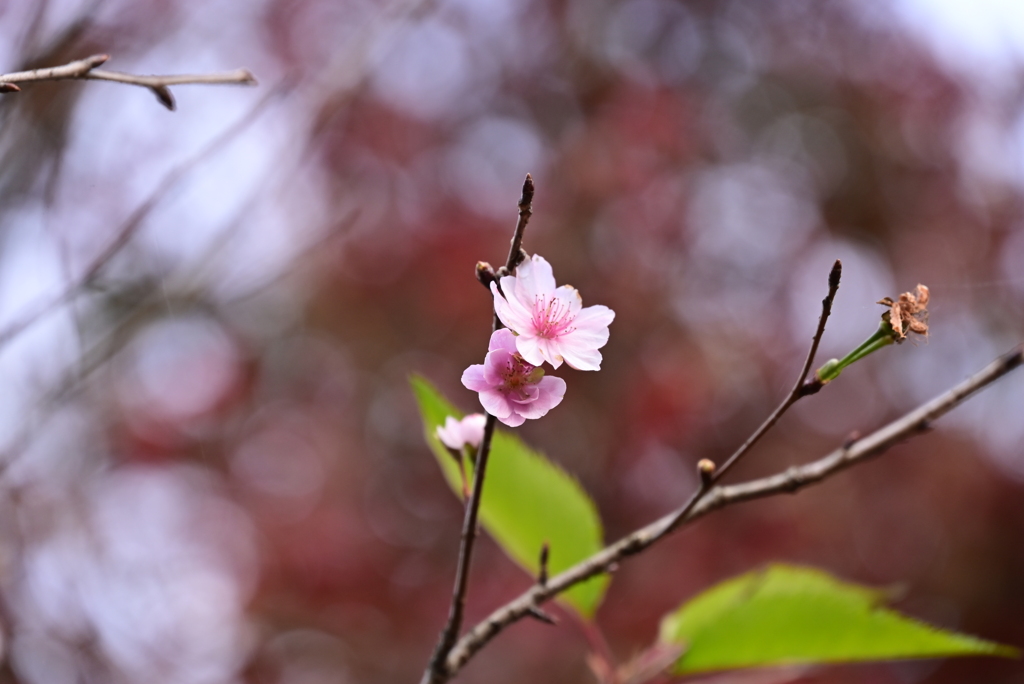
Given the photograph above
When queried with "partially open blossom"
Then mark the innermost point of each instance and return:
(512, 389)
(456, 434)
(551, 322)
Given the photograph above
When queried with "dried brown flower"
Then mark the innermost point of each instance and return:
(908, 314)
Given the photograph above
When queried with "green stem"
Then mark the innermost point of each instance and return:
(882, 337)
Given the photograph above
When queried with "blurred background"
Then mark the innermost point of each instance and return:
(212, 467)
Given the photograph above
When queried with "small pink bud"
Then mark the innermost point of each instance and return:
(456, 434)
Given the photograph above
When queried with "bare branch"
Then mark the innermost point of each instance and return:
(798, 392)
(789, 481)
(76, 69)
(85, 69)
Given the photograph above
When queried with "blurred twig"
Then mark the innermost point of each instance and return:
(791, 480)
(85, 69)
(132, 225)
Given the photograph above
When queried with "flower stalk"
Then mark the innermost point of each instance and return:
(882, 337)
(909, 313)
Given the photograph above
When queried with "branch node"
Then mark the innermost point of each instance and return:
(538, 614)
(793, 479)
(812, 386)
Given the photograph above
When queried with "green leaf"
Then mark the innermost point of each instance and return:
(786, 614)
(527, 500)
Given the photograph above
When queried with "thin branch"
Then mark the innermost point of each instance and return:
(436, 668)
(77, 69)
(789, 481)
(525, 212)
(515, 251)
(458, 604)
(85, 69)
(798, 392)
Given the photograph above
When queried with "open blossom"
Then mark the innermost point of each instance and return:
(511, 389)
(455, 434)
(551, 322)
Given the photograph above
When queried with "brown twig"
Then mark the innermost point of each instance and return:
(789, 481)
(85, 69)
(515, 251)
(436, 669)
(797, 393)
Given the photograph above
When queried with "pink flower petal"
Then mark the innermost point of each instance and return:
(552, 390)
(497, 404)
(503, 339)
(529, 349)
(535, 276)
(582, 357)
(510, 311)
(473, 378)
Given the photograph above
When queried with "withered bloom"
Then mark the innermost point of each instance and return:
(907, 314)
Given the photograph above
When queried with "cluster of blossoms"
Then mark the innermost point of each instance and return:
(544, 323)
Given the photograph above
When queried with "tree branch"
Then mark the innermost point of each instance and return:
(436, 671)
(791, 480)
(85, 69)
(709, 479)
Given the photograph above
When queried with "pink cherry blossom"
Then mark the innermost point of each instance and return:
(551, 322)
(455, 434)
(511, 389)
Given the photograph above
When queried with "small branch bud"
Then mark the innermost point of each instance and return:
(835, 274)
(527, 197)
(542, 574)
(706, 470)
(485, 274)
